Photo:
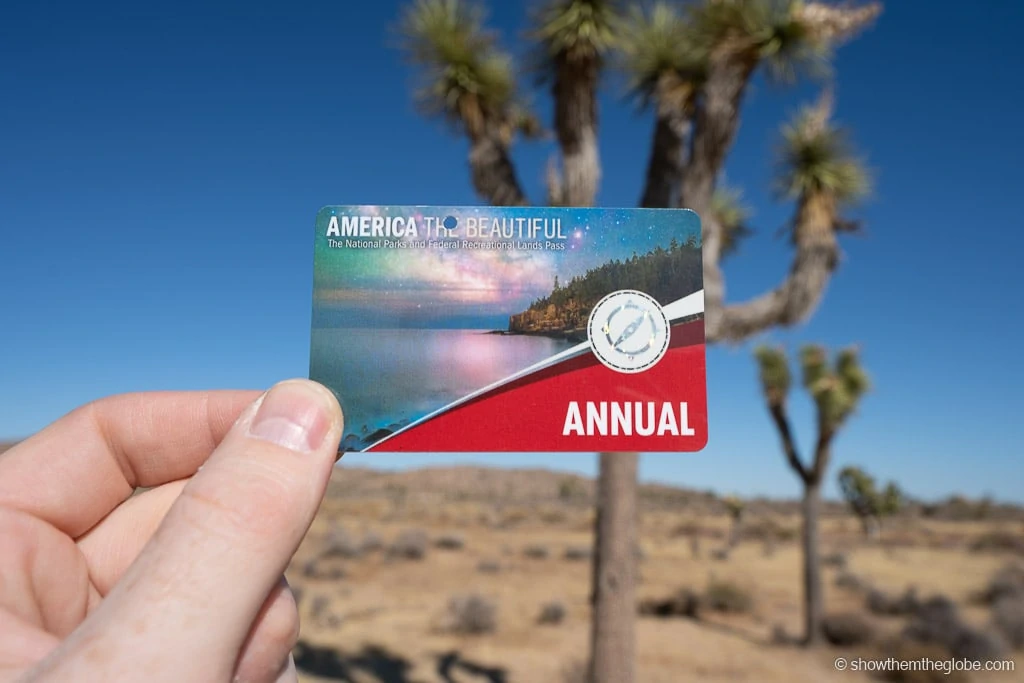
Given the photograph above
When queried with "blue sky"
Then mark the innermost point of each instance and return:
(161, 165)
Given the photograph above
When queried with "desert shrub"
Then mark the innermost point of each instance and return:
(683, 603)
(553, 516)
(372, 542)
(323, 571)
(937, 621)
(881, 603)
(578, 553)
(847, 629)
(976, 645)
(851, 581)
(450, 542)
(488, 566)
(727, 596)
(837, 560)
(912, 651)
(320, 613)
(410, 544)
(1000, 540)
(1007, 582)
(536, 551)
(471, 614)
(720, 554)
(1008, 618)
(552, 613)
(767, 529)
(340, 543)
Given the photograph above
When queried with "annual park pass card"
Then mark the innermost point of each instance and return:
(511, 329)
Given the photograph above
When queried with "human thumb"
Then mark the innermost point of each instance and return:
(183, 609)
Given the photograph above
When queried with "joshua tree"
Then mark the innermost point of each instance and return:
(836, 389)
(735, 507)
(692, 67)
(866, 501)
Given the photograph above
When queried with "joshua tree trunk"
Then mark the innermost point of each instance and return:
(814, 599)
(575, 97)
(663, 167)
(612, 626)
(492, 171)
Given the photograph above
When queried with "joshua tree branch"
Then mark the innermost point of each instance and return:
(493, 171)
(778, 413)
(789, 303)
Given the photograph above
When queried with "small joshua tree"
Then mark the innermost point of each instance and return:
(836, 389)
(866, 501)
(735, 506)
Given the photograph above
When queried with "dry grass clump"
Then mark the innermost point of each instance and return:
(723, 595)
(682, 603)
(1008, 619)
(470, 614)
(450, 542)
(410, 544)
(536, 551)
(488, 566)
(372, 542)
(847, 629)
(850, 581)
(578, 553)
(999, 540)
(937, 622)
(837, 560)
(1007, 582)
(881, 603)
(340, 543)
(552, 613)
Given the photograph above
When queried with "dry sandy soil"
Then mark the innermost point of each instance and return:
(373, 618)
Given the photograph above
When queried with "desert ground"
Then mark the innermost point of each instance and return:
(443, 575)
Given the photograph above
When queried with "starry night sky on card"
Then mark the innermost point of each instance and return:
(436, 287)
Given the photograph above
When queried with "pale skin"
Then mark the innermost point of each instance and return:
(183, 582)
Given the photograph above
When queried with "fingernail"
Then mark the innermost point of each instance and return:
(295, 415)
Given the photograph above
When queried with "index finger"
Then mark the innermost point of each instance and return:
(78, 469)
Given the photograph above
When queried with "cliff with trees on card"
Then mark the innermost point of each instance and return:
(666, 274)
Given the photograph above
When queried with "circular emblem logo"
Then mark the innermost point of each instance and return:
(628, 331)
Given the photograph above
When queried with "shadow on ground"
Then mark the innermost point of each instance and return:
(450, 662)
(386, 667)
(326, 662)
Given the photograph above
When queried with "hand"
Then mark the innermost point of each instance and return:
(182, 582)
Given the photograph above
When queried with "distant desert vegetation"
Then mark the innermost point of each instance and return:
(483, 575)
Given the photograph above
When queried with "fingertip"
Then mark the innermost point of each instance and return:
(300, 415)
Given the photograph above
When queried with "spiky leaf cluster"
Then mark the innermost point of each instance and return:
(576, 30)
(658, 55)
(468, 79)
(774, 374)
(815, 158)
(775, 32)
(836, 390)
